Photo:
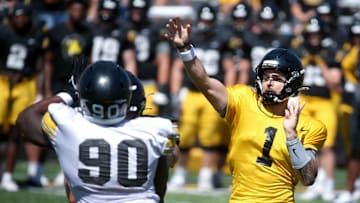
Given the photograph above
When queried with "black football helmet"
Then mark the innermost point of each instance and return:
(108, 10)
(104, 93)
(355, 28)
(286, 62)
(241, 11)
(268, 12)
(141, 4)
(138, 99)
(314, 25)
(326, 8)
(241, 16)
(206, 17)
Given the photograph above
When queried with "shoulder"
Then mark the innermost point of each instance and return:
(61, 112)
(312, 132)
(151, 122)
(243, 90)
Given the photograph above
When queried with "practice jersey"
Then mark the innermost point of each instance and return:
(148, 45)
(109, 42)
(351, 74)
(107, 164)
(312, 61)
(262, 43)
(211, 50)
(259, 160)
(20, 51)
(67, 43)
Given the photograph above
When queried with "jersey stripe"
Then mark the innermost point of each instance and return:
(48, 125)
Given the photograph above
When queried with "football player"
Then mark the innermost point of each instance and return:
(66, 41)
(350, 115)
(198, 121)
(241, 22)
(152, 56)
(108, 158)
(111, 40)
(273, 145)
(265, 34)
(323, 76)
(20, 65)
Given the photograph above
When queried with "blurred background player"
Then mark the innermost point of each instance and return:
(198, 121)
(334, 32)
(240, 25)
(323, 76)
(265, 33)
(302, 11)
(350, 114)
(111, 40)
(67, 41)
(20, 69)
(153, 57)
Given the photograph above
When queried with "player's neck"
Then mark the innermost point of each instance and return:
(277, 108)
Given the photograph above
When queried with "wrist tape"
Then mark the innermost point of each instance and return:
(188, 55)
(298, 155)
(66, 97)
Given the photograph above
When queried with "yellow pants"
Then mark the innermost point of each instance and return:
(15, 99)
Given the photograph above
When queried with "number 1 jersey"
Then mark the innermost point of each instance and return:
(259, 160)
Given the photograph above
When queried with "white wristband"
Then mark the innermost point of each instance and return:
(66, 97)
(298, 155)
(188, 55)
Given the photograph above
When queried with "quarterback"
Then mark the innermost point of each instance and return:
(273, 145)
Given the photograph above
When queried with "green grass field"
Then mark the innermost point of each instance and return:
(57, 195)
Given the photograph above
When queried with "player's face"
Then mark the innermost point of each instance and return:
(314, 39)
(21, 21)
(356, 39)
(267, 25)
(273, 81)
(76, 12)
(137, 14)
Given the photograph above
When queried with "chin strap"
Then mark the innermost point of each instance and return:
(274, 98)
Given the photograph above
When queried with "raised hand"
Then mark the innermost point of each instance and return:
(292, 114)
(178, 33)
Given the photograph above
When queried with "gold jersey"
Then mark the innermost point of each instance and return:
(259, 160)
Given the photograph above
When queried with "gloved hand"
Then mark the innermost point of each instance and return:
(160, 97)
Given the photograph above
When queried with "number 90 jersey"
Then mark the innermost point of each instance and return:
(107, 164)
(259, 160)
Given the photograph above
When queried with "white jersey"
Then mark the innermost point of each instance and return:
(107, 164)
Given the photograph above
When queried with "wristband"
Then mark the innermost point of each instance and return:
(66, 97)
(298, 155)
(188, 55)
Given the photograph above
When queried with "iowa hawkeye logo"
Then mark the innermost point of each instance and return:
(72, 45)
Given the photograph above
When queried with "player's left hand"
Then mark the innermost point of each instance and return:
(291, 118)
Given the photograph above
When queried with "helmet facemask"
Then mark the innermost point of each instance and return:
(288, 64)
(104, 113)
